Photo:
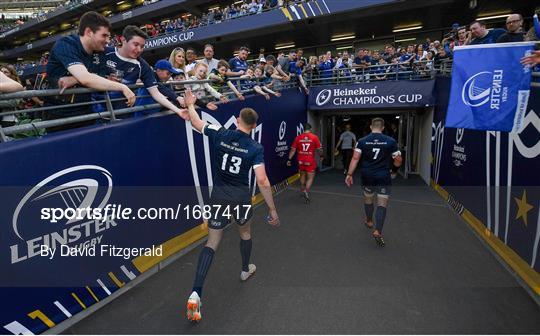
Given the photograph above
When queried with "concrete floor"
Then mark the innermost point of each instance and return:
(322, 273)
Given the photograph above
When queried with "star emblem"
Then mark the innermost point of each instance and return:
(523, 207)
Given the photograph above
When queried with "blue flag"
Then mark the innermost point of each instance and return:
(490, 87)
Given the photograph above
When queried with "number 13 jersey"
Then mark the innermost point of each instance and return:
(233, 154)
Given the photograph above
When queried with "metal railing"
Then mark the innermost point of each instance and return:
(419, 70)
(36, 125)
(535, 79)
(390, 72)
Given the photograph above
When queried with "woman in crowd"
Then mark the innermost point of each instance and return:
(312, 68)
(178, 59)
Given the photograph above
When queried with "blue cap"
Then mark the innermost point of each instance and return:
(166, 65)
(455, 25)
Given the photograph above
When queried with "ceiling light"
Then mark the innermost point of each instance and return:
(346, 47)
(407, 39)
(342, 37)
(285, 46)
(493, 17)
(397, 30)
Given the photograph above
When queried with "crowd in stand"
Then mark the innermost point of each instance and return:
(213, 16)
(266, 75)
(7, 25)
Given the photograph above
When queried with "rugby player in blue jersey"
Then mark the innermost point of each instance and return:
(234, 154)
(376, 152)
(74, 59)
(125, 65)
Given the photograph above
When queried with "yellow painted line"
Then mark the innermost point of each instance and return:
(115, 280)
(286, 13)
(40, 315)
(303, 10)
(170, 247)
(78, 300)
(92, 293)
(293, 178)
(178, 243)
(257, 199)
(524, 270)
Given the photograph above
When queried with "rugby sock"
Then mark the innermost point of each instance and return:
(205, 260)
(369, 212)
(245, 251)
(380, 215)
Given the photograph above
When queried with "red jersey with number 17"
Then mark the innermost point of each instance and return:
(306, 144)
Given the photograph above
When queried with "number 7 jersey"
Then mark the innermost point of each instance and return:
(233, 154)
(377, 151)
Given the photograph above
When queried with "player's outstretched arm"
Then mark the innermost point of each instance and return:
(266, 191)
(196, 122)
(352, 167)
(163, 101)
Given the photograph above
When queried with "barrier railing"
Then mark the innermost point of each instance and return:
(110, 114)
(416, 71)
(535, 82)
(419, 70)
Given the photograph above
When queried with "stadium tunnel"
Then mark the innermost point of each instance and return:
(410, 128)
(462, 252)
(152, 287)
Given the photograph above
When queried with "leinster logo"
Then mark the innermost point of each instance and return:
(323, 97)
(76, 187)
(477, 89)
(282, 130)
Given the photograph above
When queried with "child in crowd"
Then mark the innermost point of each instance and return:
(247, 83)
(272, 79)
(219, 76)
(200, 90)
(260, 79)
